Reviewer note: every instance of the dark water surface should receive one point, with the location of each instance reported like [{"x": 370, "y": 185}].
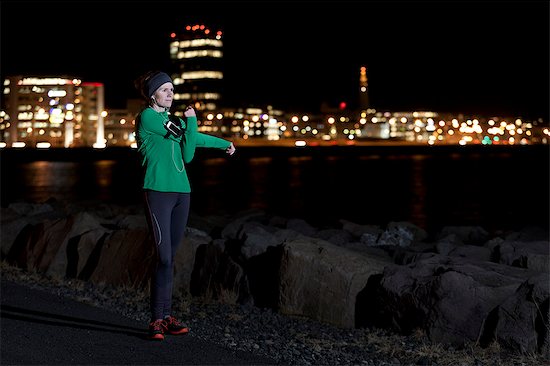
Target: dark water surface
[{"x": 496, "y": 187}]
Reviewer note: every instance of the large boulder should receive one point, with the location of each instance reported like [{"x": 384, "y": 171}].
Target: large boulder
[
  {"x": 185, "y": 258},
  {"x": 124, "y": 258},
  {"x": 216, "y": 276},
  {"x": 522, "y": 319},
  {"x": 534, "y": 255},
  {"x": 37, "y": 245},
  {"x": 18, "y": 221},
  {"x": 321, "y": 281},
  {"x": 450, "y": 298}
]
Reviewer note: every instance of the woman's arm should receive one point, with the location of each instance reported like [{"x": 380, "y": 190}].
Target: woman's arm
[
  {"x": 192, "y": 139},
  {"x": 153, "y": 122},
  {"x": 189, "y": 138},
  {"x": 204, "y": 140}
]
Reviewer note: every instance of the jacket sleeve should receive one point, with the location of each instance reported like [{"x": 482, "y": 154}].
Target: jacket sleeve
[
  {"x": 154, "y": 124},
  {"x": 204, "y": 140},
  {"x": 189, "y": 139}
]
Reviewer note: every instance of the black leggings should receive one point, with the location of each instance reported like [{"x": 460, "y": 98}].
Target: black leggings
[{"x": 167, "y": 214}]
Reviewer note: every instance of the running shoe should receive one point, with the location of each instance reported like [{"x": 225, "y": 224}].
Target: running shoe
[
  {"x": 173, "y": 326},
  {"x": 156, "y": 329}
]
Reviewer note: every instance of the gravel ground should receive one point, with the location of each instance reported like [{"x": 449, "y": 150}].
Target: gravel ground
[{"x": 288, "y": 340}]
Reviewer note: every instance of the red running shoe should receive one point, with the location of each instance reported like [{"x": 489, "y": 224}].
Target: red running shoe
[
  {"x": 156, "y": 330},
  {"x": 173, "y": 326}
]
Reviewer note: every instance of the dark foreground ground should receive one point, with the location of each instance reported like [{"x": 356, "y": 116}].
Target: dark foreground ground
[
  {"x": 48, "y": 321},
  {"x": 38, "y": 327}
]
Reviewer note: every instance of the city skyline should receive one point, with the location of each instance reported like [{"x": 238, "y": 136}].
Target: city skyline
[{"x": 470, "y": 57}]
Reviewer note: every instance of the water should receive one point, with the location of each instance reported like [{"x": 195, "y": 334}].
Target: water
[{"x": 498, "y": 188}]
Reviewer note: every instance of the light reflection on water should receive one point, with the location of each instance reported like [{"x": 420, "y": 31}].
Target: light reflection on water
[
  {"x": 427, "y": 190},
  {"x": 104, "y": 172},
  {"x": 64, "y": 180},
  {"x": 43, "y": 178},
  {"x": 41, "y": 174}
]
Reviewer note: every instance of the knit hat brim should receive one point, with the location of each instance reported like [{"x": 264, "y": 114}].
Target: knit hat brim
[{"x": 155, "y": 82}]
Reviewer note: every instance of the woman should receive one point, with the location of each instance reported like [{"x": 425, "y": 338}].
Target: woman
[{"x": 166, "y": 143}]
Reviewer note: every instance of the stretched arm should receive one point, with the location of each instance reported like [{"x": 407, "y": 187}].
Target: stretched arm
[
  {"x": 192, "y": 139},
  {"x": 189, "y": 138},
  {"x": 154, "y": 123},
  {"x": 204, "y": 140}
]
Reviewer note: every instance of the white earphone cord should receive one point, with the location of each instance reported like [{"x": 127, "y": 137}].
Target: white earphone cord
[{"x": 174, "y": 161}]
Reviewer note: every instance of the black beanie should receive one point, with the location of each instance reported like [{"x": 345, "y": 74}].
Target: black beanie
[{"x": 155, "y": 82}]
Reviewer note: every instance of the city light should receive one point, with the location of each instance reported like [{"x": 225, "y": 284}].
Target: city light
[{"x": 70, "y": 113}]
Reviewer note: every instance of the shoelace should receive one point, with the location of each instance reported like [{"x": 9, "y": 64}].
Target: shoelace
[
  {"x": 172, "y": 320},
  {"x": 157, "y": 324}
]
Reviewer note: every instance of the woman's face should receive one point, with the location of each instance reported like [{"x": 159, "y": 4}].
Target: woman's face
[{"x": 164, "y": 95}]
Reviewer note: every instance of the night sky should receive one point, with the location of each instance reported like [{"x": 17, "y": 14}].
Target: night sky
[{"x": 480, "y": 57}]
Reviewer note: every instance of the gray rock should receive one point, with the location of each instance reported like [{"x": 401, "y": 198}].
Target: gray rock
[
  {"x": 401, "y": 234},
  {"x": 449, "y": 297},
  {"x": 533, "y": 255},
  {"x": 301, "y": 226},
  {"x": 474, "y": 235},
  {"x": 321, "y": 281},
  {"x": 522, "y": 319}
]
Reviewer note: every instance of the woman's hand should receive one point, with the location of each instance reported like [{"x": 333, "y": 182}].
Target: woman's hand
[
  {"x": 189, "y": 112},
  {"x": 231, "y": 149}
]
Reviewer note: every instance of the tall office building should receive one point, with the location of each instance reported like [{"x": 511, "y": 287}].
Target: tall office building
[{"x": 197, "y": 60}]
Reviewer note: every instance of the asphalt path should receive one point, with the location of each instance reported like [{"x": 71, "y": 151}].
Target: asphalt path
[{"x": 40, "y": 328}]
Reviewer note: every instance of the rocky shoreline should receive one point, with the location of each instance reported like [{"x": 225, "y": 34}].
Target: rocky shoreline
[
  {"x": 285, "y": 339},
  {"x": 347, "y": 295}
]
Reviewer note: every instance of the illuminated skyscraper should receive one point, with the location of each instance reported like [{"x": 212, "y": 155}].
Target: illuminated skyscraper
[
  {"x": 197, "y": 59},
  {"x": 93, "y": 133}
]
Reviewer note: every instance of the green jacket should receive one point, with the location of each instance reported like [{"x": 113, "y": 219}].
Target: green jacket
[{"x": 163, "y": 158}]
